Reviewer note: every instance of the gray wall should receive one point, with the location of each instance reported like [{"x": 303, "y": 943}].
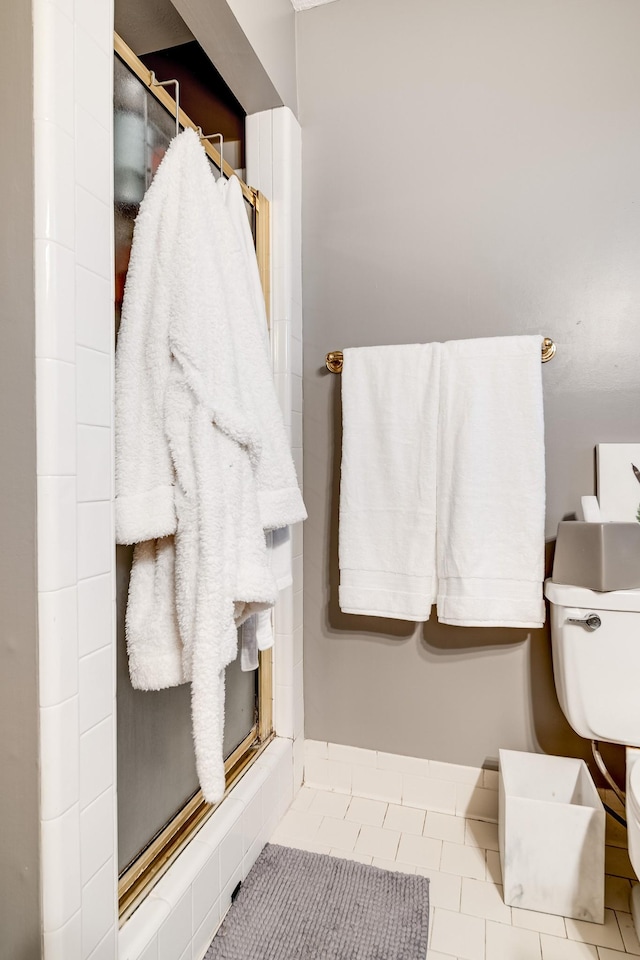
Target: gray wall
[
  {"x": 470, "y": 169},
  {"x": 19, "y": 814}
]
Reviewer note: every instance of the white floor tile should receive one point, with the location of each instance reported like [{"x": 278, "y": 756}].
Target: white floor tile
[
  {"x": 444, "y": 826},
  {"x": 463, "y": 861},
  {"x": 423, "y": 851},
  {"x": 351, "y": 855},
  {"x": 377, "y": 842},
  {"x": 298, "y": 824},
  {"x": 605, "y": 934},
  {"x": 340, "y": 834},
  {"x": 459, "y": 936},
  {"x": 304, "y": 798},
  {"x": 611, "y": 799},
  {"x": 617, "y": 891},
  {"x": 371, "y": 812},
  {"x": 510, "y": 943},
  {"x": 542, "y": 922},
  {"x": 444, "y": 888},
  {"x": 555, "y": 948},
  {"x": 404, "y": 819},
  {"x": 329, "y": 804},
  {"x": 482, "y": 899},
  {"x": 494, "y": 869},
  {"x": 479, "y": 833},
  {"x": 628, "y": 931},
  {"x": 615, "y": 833},
  {"x": 617, "y": 863},
  {"x": 395, "y": 866},
  {"x": 299, "y": 843}
]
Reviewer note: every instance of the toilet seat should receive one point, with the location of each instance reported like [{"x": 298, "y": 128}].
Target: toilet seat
[{"x": 633, "y": 834}]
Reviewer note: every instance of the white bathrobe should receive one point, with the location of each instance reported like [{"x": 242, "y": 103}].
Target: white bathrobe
[{"x": 202, "y": 460}]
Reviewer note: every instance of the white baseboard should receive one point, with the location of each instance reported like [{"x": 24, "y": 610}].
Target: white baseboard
[{"x": 428, "y": 784}]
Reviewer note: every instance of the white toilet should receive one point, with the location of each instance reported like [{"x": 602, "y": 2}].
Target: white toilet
[{"x": 596, "y": 664}]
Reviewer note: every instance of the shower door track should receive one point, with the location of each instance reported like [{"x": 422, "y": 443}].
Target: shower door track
[
  {"x": 138, "y": 878},
  {"x": 137, "y": 881}
]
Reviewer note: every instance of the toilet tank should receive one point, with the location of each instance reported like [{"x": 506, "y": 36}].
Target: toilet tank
[{"x": 597, "y": 672}]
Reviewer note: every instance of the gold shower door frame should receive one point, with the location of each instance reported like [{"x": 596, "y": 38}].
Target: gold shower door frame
[{"x": 136, "y": 882}]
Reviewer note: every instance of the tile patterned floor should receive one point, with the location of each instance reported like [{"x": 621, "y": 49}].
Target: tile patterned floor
[{"x": 469, "y": 920}]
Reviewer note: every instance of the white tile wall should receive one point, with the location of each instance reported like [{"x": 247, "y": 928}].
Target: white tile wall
[
  {"x": 74, "y": 344},
  {"x": 74, "y": 347}
]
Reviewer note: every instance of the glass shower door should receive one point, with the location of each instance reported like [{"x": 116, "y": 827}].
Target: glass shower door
[{"x": 156, "y": 763}]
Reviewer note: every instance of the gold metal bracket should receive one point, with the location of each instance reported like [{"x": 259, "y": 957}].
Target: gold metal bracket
[
  {"x": 335, "y": 360},
  {"x": 548, "y": 349}
]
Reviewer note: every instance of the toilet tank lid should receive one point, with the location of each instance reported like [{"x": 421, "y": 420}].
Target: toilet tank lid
[{"x": 565, "y": 595}]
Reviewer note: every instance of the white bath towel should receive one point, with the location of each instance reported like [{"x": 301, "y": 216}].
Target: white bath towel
[
  {"x": 387, "y": 536},
  {"x": 491, "y": 483},
  {"x": 189, "y": 447}
]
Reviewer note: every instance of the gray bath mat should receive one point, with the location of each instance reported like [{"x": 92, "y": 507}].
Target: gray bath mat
[{"x": 296, "y": 905}]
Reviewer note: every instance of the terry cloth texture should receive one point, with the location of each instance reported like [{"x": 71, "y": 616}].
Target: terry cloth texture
[
  {"x": 297, "y": 905},
  {"x": 491, "y": 483},
  {"x": 387, "y": 526},
  {"x": 203, "y": 466},
  {"x": 442, "y": 491}
]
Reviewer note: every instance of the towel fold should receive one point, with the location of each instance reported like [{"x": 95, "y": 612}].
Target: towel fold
[
  {"x": 491, "y": 483},
  {"x": 388, "y": 481}
]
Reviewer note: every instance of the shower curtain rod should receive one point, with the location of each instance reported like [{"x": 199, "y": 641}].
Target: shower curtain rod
[
  {"x": 149, "y": 79},
  {"x": 334, "y": 361}
]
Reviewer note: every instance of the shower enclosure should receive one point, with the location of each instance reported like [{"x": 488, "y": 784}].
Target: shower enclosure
[{"x": 159, "y": 801}]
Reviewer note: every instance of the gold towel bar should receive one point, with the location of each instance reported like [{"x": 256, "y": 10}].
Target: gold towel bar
[{"x": 335, "y": 359}]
